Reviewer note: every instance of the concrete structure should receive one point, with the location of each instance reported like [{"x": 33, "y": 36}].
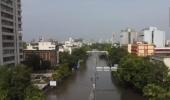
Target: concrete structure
[
  {"x": 162, "y": 51},
  {"x": 128, "y": 36},
  {"x": 11, "y": 46},
  {"x": 164, "y": 59},
  {"x": 41, "y": 46},
  {"x": 46, "y": 50},
  {"x": 45, "y": 55},
  {"x": 71, "y": 44},
  {"x": 154, "y": 36},
  {"x": 167, "y": 43},
  {"x": 141, "y": 49}
]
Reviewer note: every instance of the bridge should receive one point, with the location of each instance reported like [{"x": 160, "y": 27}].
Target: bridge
[
  {"x": 106, "y": 69},
  {"x": 97, "y": 51}
]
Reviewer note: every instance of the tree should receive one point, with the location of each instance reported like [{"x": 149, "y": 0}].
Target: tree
[
  {"x": 33, "y": 93},
  {"x": 33, "y": 61},
  {"x": 62, "y": 72},
  {"x": 116, "y": 54},
  {"x": 139, "y": 72},
  {"x": 14, "y": 81},
  {"x": 155, "y": 92}
]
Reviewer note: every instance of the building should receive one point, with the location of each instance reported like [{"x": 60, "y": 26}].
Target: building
[
  {"x": 167, "y": 43},
  {"x": 141, "y": 49},
  {"x": 45, "y": 55},
  {"x": 128, "y": 36},
  {"x": 162, "y": 51},
  {"x": 72, "y": 44},
  {"x": 41, "y": 46},
  {"x": 154, "y": 36},
  {"x": 46, "y": 50},
  {"x": 11, "y": 49}
]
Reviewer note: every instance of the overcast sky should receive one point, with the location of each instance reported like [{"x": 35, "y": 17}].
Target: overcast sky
[{"x": 91, "y": 19}]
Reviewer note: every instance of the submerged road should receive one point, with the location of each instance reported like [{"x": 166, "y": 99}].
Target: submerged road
[{"x": 80, "y": 85}]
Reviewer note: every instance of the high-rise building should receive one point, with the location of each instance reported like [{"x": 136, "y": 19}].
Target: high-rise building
[
  {"x": 10, "y": 32},
  {"x": 154, "y": 36},
  {"x": 128, "y": 36}
]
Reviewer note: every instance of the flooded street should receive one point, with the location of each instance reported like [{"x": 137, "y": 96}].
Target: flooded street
[{"x": 79, "y": 85}]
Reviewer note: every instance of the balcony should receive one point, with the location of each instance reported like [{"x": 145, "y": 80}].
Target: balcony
[
  {"x": 8, "y": 26},
  {"x": 7, "y": 3},
  {"x": 9, "y": 62},
  {"x": 9, "y": 55},
  {"x": 7, "y": 12},
  {"x": 6, "y": 33},
  {"x": 6, "y": 18}
]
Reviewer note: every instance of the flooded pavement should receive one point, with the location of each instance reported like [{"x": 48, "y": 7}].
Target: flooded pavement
[{"x": 80, "y": 85}]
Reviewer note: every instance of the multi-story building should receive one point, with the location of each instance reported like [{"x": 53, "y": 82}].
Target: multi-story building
[
  {"x": 141, "y": 49},
  {"x": 154, "y": 36},
  {"x": 41, "y": 46},
  {"x": 167, "y": 43},
  {"x": 71, "y": 44},
  {"x": 128, "y": 36},
  {"x": 45, "y": 55},
  {"x": 10, "y": 32},
  {"x": 46, "y": 50}
]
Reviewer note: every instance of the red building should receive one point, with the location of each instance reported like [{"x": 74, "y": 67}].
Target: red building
[{"x": 46, "y": 55}]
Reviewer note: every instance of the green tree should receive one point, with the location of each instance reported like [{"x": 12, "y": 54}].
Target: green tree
[
  {"x": 155, "y": 92},
  {"x": 116, "y": 54},
  {"x": 13, "y": 82},
  {"x": 33, "y": 93},
  {"x": 62, "y": 72},
  {"x": 139, "y": 72}
]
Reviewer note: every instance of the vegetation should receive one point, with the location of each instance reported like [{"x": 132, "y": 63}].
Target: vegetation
[
  {"x": 116, "y": 54},
  {"x": 155, "y": 92},
  {"x": 33, "y": 93},
  {"x": 15, "y": 84},
  {"x": 100, "y": 46},
  {"x": 63, "y": 72},
  {"x": 69, "y": 62},
  {"x": 72, "y": 59},
  {"x": 150, "y": 78}
]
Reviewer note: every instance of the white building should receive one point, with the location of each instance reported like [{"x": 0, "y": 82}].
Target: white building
[
  {"x": 41, "y": 46},
  {"x": 128, "y": 36},
  {"x": 11, "y": 45},
  {"x": 71, "y": 44},
  {"x": 168, "y": 43},
  {"x": 154, "y": 36}
]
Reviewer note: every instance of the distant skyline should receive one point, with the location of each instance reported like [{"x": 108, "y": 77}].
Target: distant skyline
[{"x": 91, "y": 19}]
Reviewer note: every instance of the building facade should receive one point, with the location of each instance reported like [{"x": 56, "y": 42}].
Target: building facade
[
  {"x": 41, "y": 46},
  {"x": 128, "y": 36},
  {"x": 142, "y": 50},
  {"x": 46, "y": 50},
  {"x": 45, "y": 55},
  {"x": 162, "y": 51},
  {"x": 10, "y": 32},
  {"x": 154, "y": 36},
  {"x": 72, "y": 44}
]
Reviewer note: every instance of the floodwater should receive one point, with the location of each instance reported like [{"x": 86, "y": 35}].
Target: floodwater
[{"x": 80, "y": 85}]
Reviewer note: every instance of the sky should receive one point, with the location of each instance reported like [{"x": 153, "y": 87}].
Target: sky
[{"x": 91, "y": 19}]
